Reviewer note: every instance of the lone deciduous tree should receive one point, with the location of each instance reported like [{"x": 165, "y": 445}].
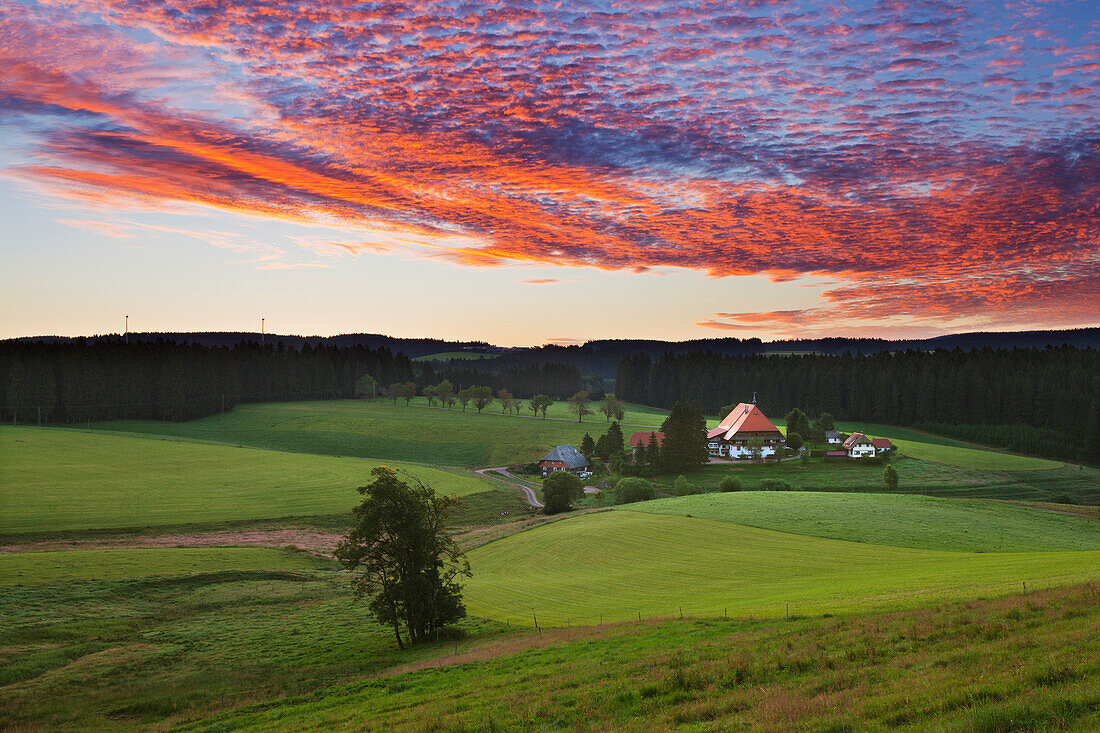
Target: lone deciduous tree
[
  {"x": 404, "y": 560},
  {"x": 578, "y": 404},
  {"x": 366, "y": 387}
]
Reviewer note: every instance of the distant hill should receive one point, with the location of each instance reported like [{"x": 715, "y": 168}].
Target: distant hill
[{"x": 602, "y": 356}]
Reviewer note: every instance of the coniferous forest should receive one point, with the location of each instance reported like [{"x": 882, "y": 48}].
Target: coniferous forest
[
  {"x": 1044, "y": 402},
  {"x": 109, "y": 379}
]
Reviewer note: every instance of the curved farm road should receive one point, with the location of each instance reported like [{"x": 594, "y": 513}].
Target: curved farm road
[{"x": 528, "y": 493}]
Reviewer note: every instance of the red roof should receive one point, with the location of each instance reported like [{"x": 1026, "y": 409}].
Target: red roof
[
  {"x": 882, "y": 443},
  {"x": 638, "y": 439},
  {"x": 856, "y": 439},
  {"x": 744, "y": 418}
]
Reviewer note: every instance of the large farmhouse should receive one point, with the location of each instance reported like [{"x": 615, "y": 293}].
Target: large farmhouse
[
  {"x": 744, "y": 424},
  {"x": 564, "y": 458}
]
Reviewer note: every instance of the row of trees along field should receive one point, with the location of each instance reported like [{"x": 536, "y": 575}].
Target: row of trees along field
[
  {"x": 556, "y": 380},
  {"x": 110, "y": 379},
  {"x": 1040, "y": 401}
]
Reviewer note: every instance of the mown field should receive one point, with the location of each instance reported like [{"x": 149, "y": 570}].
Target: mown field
[
  {"x": 614, "y": 565},
  {"x": 919, "y": 522},
  {"x": 55, "y": 480},
  {"x": 1024, "y": 663}
]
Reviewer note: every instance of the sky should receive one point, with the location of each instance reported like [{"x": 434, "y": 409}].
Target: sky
[{"x": 530, "y": 172}]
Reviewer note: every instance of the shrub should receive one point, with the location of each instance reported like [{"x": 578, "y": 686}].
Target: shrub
[
  {"x": 681, "y": 487},
  {"x": 774, "y": 484},
  {"x": 630, "y": 490},
  {"x": 817, "y": 453},
  {"x": 730, "y": 483},
  {"x": 1063, "y": 499},
  {"x": 560, "y": 490},
  {"x": 890, "y": 478}
]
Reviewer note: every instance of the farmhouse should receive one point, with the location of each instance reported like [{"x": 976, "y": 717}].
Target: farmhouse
[
  {"x": 882, "y": 445},
  {"x": 859, "y": 445},
  {"x": 744, "y": 424},
  {"x": 563, "y": 458}
]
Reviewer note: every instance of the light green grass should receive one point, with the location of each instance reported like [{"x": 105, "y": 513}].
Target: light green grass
[
  {"x": 29, "y": 568},
  {"x": 898, "y": 520},
  {"x": 617, "y": 564},
  {"x": 55, "y": 479}
]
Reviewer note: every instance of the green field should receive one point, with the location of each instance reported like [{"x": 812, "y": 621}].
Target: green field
[
  {"x": 919, "y": 522},
  {"x": 419, "y": 434},
  {"x": 54, "y": 480},
  {"x": 1024, "y": 663},
  {"x": 375, "y": 430},
  {"x": 29, "y": 568},
  {"x": 614, "y": 565},
  {"x": 142, "y": 653},
  {"x": 1081, "y": 484}
]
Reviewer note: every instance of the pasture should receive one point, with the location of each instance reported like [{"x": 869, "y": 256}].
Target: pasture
[
  {"x": 152, "y": 650},
  {"x": 897, "y": 520},
  {"x": 616, "y": 565},
  {"x": 1079, "y": 483},
  {"x": 55, "y": 480},
  {"x": 419, "y": 434},
  {"x": 1026, "y": 662}
]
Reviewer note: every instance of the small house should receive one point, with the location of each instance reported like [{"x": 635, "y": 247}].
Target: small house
[
  {"x": 859, "y": 445},
  {"x": 883, "y": 446},
  {"x": 832, "y": 437},
  {"x": 564, "y": 458}
]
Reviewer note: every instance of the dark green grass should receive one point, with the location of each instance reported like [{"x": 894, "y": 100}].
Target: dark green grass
[
  {"x": 32, "y": 568},
  {"x": 140, "y": 653},
  {"x": 920, "y": 522},
  {"x": 375, "y": 430},
  {"x": 1023, "y": 663}
]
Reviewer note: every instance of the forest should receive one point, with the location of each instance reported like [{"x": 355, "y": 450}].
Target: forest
[
  {"x": 1044, "y": 402},
  {"x": 111, "y": 379}
]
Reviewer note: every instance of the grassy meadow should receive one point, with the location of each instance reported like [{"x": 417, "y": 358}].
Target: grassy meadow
[
  {"x": 259, "y": 638},
  {"x": 437, "y": 436},
  {"x": 72, "y": 480},
  {"x": 148, "y": 651},
  {"x": 1024, "y": 663},
  {"x": 919, "y": 522},
  {"x": 614, "y": 565}
]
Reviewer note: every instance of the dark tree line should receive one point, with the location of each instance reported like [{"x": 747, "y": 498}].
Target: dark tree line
[
  {"x": 110, "y": 379},
  {"x": 1038, "y": 401}
]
